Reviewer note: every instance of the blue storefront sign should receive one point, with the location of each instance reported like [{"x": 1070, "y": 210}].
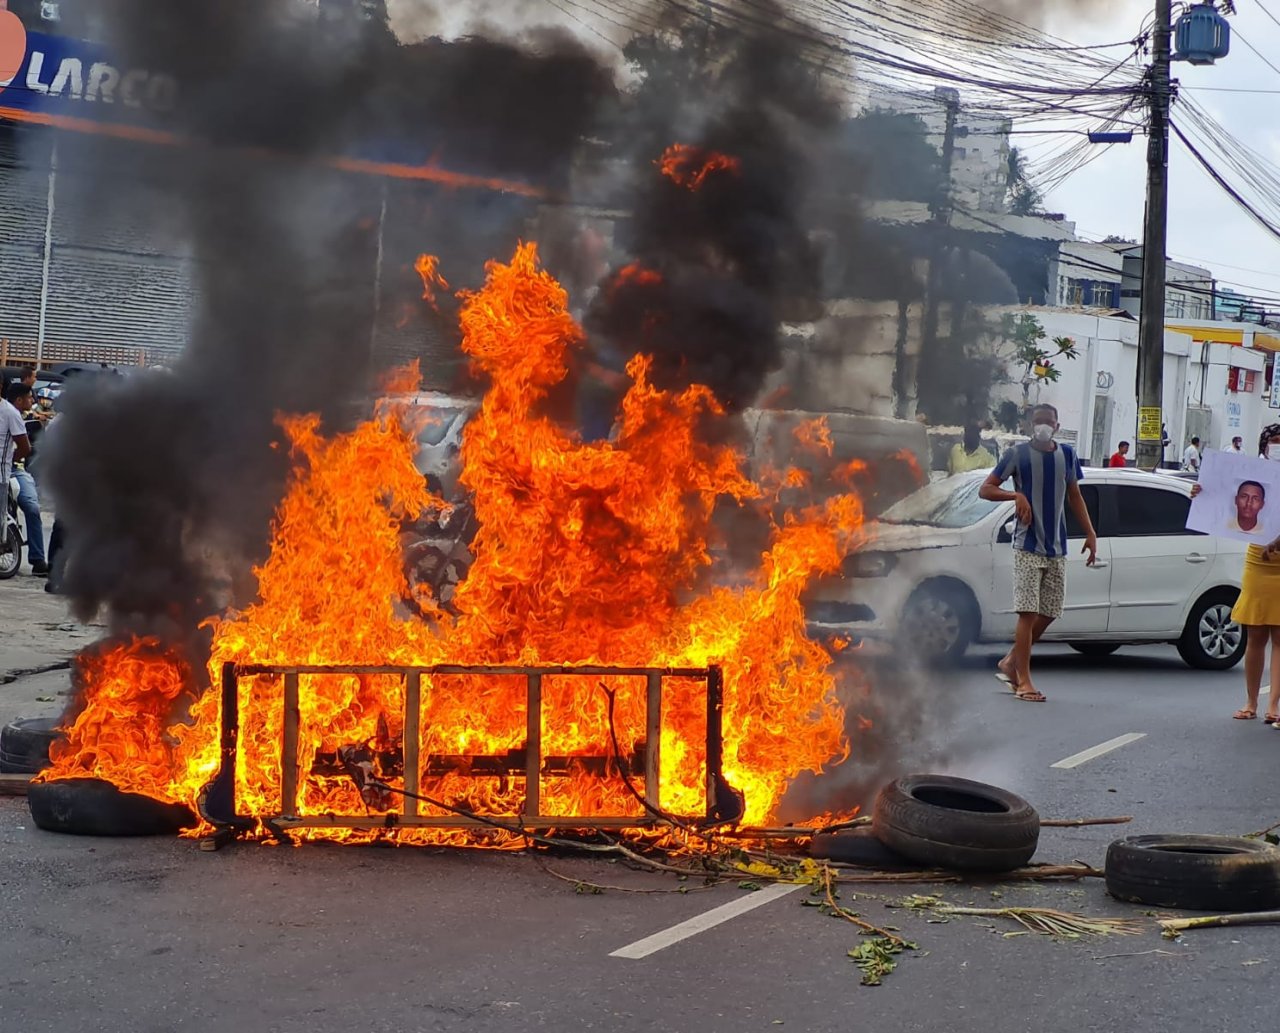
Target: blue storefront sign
[
  {"x": 78, "y": 85},
  {"x": 44, "y": 78}
]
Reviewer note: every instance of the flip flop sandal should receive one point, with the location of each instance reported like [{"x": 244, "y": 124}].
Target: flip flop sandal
[
  {"x": 1244, "y": 714},
  {"x": 1270, "y": 719},
  {"x": 1031, "y": 697}
]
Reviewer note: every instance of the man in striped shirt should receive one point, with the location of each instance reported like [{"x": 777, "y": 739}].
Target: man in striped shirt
[{"x": 1046, "y": 478}]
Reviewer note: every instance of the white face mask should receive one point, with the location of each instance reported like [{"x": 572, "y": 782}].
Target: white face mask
[
  {"x": 1042, "y": 433},
  {"x": 1273, "y": 453}
]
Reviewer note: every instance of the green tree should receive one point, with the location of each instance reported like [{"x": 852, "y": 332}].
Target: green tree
[{"x": 1021, "y": 193}]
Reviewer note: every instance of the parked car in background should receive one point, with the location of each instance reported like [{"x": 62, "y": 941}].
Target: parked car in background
[{"x": 937, "y": 575}]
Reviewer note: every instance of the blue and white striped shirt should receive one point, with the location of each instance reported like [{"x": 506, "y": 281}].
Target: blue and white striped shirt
[{"x": 1043, "y": 478}]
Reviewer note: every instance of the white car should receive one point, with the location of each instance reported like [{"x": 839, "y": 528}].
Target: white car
[{"x": 937, "y": 574}]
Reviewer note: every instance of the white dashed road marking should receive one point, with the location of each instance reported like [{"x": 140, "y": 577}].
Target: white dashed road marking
[
  {"x": 701, "y": 923},
  {"x": 1094, "y": 752}
]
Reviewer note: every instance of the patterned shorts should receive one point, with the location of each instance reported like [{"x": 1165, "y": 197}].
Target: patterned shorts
[{"x": 1039, "y": 583}]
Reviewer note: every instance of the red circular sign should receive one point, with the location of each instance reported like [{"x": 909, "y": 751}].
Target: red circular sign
[{"x": 13, "y": 47}]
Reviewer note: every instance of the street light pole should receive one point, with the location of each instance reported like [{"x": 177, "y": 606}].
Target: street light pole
[{"x": 1151, "y": 322}]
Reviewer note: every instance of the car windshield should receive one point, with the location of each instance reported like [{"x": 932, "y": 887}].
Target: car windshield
[{"x": 951, "y": 503}]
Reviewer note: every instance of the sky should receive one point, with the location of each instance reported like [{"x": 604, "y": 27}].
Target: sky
[{"x": 1205, "y": 226}]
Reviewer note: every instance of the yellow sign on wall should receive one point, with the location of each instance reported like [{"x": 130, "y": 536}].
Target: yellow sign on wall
[{"x": 1149, "y": 424}]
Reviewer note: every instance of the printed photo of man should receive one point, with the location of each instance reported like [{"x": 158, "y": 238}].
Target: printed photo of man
[{"x": 1251, "y": 497}]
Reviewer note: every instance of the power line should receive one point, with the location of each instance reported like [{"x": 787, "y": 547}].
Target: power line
[
  {"x": 1223, "y": 89},
  {"x": 1261, "y": 57},
  {"x": 1262, "y": 7},
  {"x": 1217, "y": 177}
]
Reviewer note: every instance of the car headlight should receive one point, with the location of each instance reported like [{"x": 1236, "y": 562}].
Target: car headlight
[{"x": 870, "y": 564}]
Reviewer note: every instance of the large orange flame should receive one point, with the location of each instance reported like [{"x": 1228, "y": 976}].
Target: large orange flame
[{"x": 585, "y": 554}]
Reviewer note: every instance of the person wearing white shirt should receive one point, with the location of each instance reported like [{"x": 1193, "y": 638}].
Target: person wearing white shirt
[
  {"x": 15, "y": 446},
  {"x": 1191, "y": 457},
  {"x": 1237, "y": 445}
]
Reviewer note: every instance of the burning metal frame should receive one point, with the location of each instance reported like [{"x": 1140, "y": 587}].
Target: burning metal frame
[{"x": 218, "y": 805}]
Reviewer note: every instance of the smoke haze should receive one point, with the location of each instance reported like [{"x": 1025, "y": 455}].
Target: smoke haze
[{"x": 166, "y": 482}]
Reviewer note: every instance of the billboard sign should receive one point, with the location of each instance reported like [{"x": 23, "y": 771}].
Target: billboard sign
[{"x": 45, "y": 77}]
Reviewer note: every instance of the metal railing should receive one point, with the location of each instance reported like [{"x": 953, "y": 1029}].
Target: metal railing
[{"x": 219, "y": 804}]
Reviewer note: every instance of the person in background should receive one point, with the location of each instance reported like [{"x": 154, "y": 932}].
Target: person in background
[
  {"x": 1046, "y": 479},
  {"x": 1258, "y": 608},
  {"x": 15, "y": 447},
  {"x": 1121, "y": 458},
  {"x": 14, "y": 443},
  {"x": 1237, "y": 445},
  {"x": 42, "y": 411},
  {"x": 1191, "y": 457},
  {"x": 970, "y": 454}
]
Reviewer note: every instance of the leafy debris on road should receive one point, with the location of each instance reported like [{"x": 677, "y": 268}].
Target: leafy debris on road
[
  {"x": 1267, "y": 835},
  {"x": 1063, "y": 925},
  {"x": 877, "y": 957}
]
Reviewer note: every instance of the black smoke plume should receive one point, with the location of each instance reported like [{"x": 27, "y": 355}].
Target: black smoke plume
[
  {"x": 165, "y": 482},
  {"x": 720, "y": 247}
]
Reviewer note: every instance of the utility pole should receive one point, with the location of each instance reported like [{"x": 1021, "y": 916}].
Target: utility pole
[
  {"x": 1154, "y": 243},
  {"x": 928, "y": 372}
]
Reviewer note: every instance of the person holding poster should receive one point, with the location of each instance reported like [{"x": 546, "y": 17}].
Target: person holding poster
[
  {"x": 1237, "y": 496},
  {"x": 1258, "y": 607}
]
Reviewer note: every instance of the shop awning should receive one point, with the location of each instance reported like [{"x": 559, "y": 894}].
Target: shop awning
[{"x": 1264, "y": 340}]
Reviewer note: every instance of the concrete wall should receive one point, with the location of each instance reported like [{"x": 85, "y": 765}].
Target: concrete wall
[
  {"x": 1242, "y": 412},
  {"x": 845, "y": 362}
]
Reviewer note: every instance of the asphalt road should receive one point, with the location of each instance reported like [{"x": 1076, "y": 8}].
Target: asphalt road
[{"x": 153, "y": 936}]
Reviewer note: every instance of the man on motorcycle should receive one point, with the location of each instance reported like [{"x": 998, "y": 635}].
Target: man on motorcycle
[
  {"x": 42, "y": 411},
  {"x": 15, "y": 447}
]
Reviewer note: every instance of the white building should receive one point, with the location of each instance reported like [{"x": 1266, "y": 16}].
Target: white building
[
  {"x": 980, "y": 159},
  {"x": 1211, "y": 390}
]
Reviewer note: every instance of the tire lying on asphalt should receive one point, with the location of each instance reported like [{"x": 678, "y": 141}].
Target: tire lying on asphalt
[
  {"x": 945, "y": 822},
  {"x": 1199, "y": 873},
  {"x": 91, "y": 807},
  {"x": 859, "y": 847},
  {"x": 24, "y": 745}
]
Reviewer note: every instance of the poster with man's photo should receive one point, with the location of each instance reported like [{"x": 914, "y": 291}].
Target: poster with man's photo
[{"x": 1239, "y": 498}]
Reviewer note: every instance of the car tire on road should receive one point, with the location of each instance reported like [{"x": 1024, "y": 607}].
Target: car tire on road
[
  {"x": 1199, "y": 873},
  {"x": 941, "y": 619},
  {"x": 946, "y": 822},
  {"x": 1096, "y": 649},
  {"x": 10, "y": 554},
  {"x": 1211, "y": 641},
  {"x": 859, "y": 847},
  {"x": 92, "y": 807},
  {"x": 24, "y": 745}
]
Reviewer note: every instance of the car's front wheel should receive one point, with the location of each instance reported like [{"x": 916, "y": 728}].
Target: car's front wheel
[
  {"x": 1212, "y": 641},
  {"x": 939, "y": 622}
]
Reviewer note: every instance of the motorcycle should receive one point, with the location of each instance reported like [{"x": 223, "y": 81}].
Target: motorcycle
[
  {"x": 11, "y": 542},
  {"x": 437, "y": 554}
]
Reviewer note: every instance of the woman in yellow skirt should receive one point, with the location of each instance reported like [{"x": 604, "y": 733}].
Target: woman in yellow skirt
[{"x": 1258, "y": 609}]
